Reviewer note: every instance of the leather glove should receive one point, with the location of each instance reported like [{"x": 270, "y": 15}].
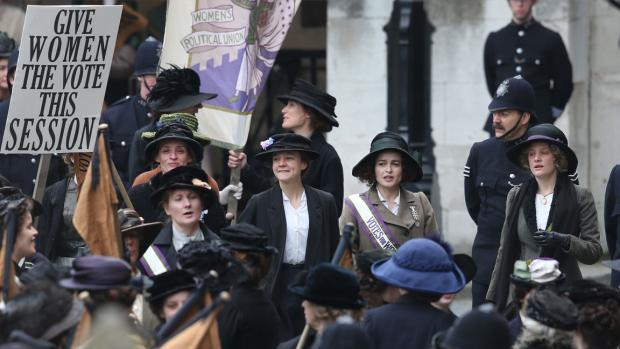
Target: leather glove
[
  {"x": 551, "y": 238},
  {"x": 231, "y": 189}
]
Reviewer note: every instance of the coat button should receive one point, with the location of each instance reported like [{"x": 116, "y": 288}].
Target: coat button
[
  {"x": 150, "y": 115},
  {"x": 518, "y": 69},
  {"x": 482, "y": 184},
  {"x": 123, "y": 143},
  {"x": 521, "y": 33},
  {"x": 499, "y": 61},
  {"x": 34, "y": 181},
  {"x": 33, "y": 160},
  {"x": 519, "y": 50},
  {"x": 537, "y": 62},
  {"x": 512, "y": 176}
]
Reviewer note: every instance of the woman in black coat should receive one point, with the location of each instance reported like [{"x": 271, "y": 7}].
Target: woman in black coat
[
  {"x": 308, "y": 112},
  {"x": 300, "y": 221}
]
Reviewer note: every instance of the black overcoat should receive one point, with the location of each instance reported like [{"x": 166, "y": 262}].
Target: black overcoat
[
  {"x": 51, "y": 221},
  {"x": 266, "y": 211},
  {"x": 248, "y": 320},
  {"x": 612, "y": 220}
]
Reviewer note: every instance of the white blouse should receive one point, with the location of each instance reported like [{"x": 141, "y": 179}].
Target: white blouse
[{"x": 297, "y": 225}]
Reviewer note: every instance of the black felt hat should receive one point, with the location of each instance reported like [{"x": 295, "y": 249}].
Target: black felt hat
[
  {"x": 246, "y": 237},
  {"x": 177, "y": 89},
  {"x": 98, "y": 273},
  {"x": 552, "y": 310},
  {"x": 481, "y": 328},
  {"x": 466, "y": 264},
  {"x": 313, "y": 97},
  {"x": 286, "y": 142},
  {"x": 170, "y": 282},
  {"x": 147, "y": 57},
  {"x": 12, "y": 197},
  {"x": 590, "y": 291},
  {"x": 130, "y": 222},
  {"x": 7, "y": 45},
  {"x": 183, "y": 177},
  {"x": 329, "y": 285},
  {"x": 550, "y": 134},
  {"x": 390, "y": 141},
  {"x": 173, "y": 131},
  {"x": 515, "y": 93}
]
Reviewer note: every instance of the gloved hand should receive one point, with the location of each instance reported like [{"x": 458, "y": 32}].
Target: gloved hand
[
  {"x": 551, "y": 238},
  {"x": 231, "y": 189}
]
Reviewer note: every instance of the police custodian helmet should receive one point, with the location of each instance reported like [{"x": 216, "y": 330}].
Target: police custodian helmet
[{"x": 514, "y": 93}]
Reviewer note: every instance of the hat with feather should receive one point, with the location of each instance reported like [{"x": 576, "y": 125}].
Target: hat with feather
[{"x": 176, "y": 89}]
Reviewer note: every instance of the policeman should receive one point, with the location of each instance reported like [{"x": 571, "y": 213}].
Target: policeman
[
  {"x": 21, "y": 169},
  {"x": 527, "y": 48},
  {"x": 127, "y": 115},
  {"x": 489, "y": 175},
  {"x": 7, "y": 45}
]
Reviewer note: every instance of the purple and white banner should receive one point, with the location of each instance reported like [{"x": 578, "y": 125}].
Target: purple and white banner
[{"x": 232, "y": 45}]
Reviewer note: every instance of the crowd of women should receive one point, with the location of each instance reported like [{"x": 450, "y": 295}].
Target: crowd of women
[{"x": 275, "y": 263}]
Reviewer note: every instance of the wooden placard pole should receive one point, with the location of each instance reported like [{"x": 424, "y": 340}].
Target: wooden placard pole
[
  {"x": 235, "y": 178},
  {"x": 41, "y": 181}
]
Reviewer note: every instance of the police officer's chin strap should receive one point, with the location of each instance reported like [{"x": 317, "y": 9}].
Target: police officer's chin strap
[{"x": 513, "y": 129}]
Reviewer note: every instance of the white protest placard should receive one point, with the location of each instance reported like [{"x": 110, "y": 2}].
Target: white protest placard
[{"x": 62, "y": 72}]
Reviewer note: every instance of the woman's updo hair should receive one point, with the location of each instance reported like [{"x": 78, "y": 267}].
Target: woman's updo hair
[{"x": 560, "y": 159}]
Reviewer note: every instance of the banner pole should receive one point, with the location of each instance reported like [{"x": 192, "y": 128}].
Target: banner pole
[
  {"x": 235, "y": 178},
  {"x": 41, "y": 181}
]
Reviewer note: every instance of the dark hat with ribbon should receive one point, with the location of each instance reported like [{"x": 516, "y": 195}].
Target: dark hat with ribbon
[
  {"x": 590, "y": 291},
  {"x": 421, "y": 265},
  {"x": 246, "y": 237},
  {"x": 286, "y": 142},
  {"x": 390, "y": 141},
  {"x": 313, "y": 97},
  {"x": 515, "y": 93},
  {"x": 329, "y": 285},
  {"x": 7, "y": 45},
  {"x": 13, "y": 60},
  {"x": 169, "y": 283},
  {"x": 481, "y": 328},
  {"x": 552, "y": 310},
  {"x": 147, "y": 57},
  {"x": 12, "y": 197},
  {"x": 177, "y": 89},
  {"x": 466, "y": 264},
  {"x": 130, "y": 222},
  {"x": 98, "y": 273},
  {"x": 177, "y": 126},
  {"x": 183, "y": 177},
  {"x": 550, "y": 134}
]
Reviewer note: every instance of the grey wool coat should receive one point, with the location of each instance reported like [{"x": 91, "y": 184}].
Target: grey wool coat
[
  {"x": 403, "y": 227},
  {"x": 585, "y": 247}
]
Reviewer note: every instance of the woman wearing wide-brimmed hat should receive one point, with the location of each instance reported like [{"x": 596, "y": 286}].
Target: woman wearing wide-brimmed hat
[
  {"x": 300, "y": 221},
  {"x": 177, "y": 142},
  {"x": 548, "y": 215},
  {"x": 169, "y": 292},
  {"x": 249, "y": 319},
  {"x": 328, "y": 292},
  {"x": 387, "y": 214},
  {"x": 310, "y": 112},
  {"x": 182, "y": 193}
]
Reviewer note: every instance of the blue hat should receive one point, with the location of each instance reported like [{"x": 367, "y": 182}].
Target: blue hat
[
  {"x": 147, "y": 57},
  {"x": 515, "y": 93},
  {"x": 421, "y": 265}
]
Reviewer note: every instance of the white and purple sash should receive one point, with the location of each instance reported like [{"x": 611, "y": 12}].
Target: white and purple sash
[{"x": 371, "y": 223}]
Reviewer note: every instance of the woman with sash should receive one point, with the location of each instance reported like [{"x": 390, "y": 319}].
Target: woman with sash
[
  {"x": 548, "y": 215},
  {"x": 300, "y": 221},
  {"x": 182, "y": 193},
  {"x": 387, "y": 215}
]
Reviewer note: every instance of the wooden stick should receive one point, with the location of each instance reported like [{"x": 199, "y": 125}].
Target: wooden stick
[
  {"x": 235, "y": 178},
  {"x": 41, "y": 181}
]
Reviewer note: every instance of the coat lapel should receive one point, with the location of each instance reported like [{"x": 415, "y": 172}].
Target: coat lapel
[
  {"x": 164, "y": 242},
  {"x": 409, "y": 203},
  {"x": 314, "y": 221},
  {"x": 277, "y": 221},
  {"x": 387, "y": 215}
]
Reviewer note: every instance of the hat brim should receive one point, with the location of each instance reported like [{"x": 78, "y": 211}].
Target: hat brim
[
  {"x": 300, "y": 291},
  {"x": 249, "y": 248},
  {"x": 496, "y": 105},
  {"x": 407, "y": 177},
  {"x": 438, "y": 282},
  {"x": 148, "y": 231},
  {"x": 183, "y": 102},
  {"x": 206, "y": 195},
  {"x": 268, "y": 154},
  {"x": 172, "y": 290},
  {"x": 331, "y": 118},
  {"x": 197, "y": 148},
  {"x": 74, "y": 285},
  {"x": 514, "y": 152}
]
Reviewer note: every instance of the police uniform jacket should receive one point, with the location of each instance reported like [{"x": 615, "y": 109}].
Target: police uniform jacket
[
  {"x": 404, "y": 226},
  {"x": 536, "y": 53},
  {"x": 584, "y": 247},
  {"x": 124, "y": 117},
  {"x": 266, "y": 211},
  {"x": 324, "y": 173},
  {"x": 489, "y": 176},
  {"x": 137, "y": 158},
  {"x": 21, "y": 169},
  {"x": 163, "y": 241},
  {"x": 407, "y": 323},
  {"x": 612, "y": 220},
  {"x": 248, "y": 320}
]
